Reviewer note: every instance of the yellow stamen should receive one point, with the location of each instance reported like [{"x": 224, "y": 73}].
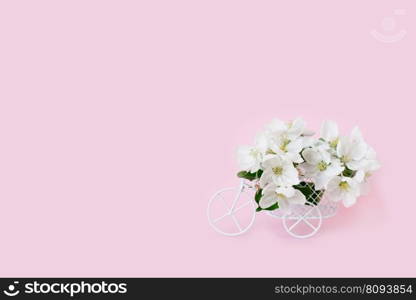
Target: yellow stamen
[
  {"x": 334, "y": 143},
  {"x": 283, "y": 145},
  {"x": 345, "y": 159},
  {"x": 277, "y": 171},
  {"x": 322, "y": 166},
  {"x": 344, "y": 185},
  {"x": 270, "y": 151}
]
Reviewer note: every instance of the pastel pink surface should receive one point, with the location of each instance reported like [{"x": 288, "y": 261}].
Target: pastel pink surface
[{"x": 119, "y": 120}]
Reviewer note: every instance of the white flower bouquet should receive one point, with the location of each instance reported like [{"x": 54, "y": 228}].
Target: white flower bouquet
[{"x": 289, "y": 166}]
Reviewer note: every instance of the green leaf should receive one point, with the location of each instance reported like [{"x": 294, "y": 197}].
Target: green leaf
[
  {"x": 348, "y": 172},
  {"x": 273, "y": 207},
  {"x": 250, "y": 176},
  {"x": 259, "y": 173},
  {"x": 246, "y": 175},
  {"x": 312, "y": 195},
  {"x": 258, "y": 195}
]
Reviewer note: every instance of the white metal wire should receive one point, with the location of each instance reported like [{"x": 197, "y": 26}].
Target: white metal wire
[
  {"x": 311, "y": 214},
  {"x": 327, "y": 209},
  {"x": 302, "y": 214},
  {"x": 230, "y": 211}
]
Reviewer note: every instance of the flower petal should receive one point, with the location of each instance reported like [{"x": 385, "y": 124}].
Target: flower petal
[
  {"x": 311, "y": 156},
  {"x": 296, "y": 128},
  {"x": 356, "y": 135},
  {"x": 297, "y": 198},
  {"x": 356, "y": 164},
  {"x": 335, "y": 168},
  {"x": 358, "y": 151},
  {"x": 283, "y": 204},
  {"x": 295, "y": 146},
  {"x": 244, "y": 158},
  {"x": 276, "y": 126},
  {"x": 308, "y": 169},
  {"x": 308, "y": 132},
  {"x": 333, "y": 184},
  {"x": 267, "y": 200},
  {"x": 290, "y": 176},
  {"x": 343, "y": 146},
  {"x": 295, "y": 157},
  {"x": 262, "y": 141},
  {"x": 359, "y": 176},
  {"x": 329, "y": 131},
  {"x": 321, "y": 181},
  {"x": 288, "y": 191},
  {"x": 266, "y": 178}
]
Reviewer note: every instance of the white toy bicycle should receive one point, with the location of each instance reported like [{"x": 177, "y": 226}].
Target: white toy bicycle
[
  {"x": 294, "y": 177},
  {"x": 235, "y": 199}
]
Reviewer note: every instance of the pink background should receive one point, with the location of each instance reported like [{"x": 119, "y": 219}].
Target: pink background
[{"x": 119, "y": 120}]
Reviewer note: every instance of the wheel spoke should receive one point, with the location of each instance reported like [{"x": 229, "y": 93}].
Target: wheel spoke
[
  {"x": 235, "y": 210},
  {"x": 308, "y": 212},
  {"x": 236, "y": 198},
  {"x": 242, "y": 206},
  {"x": 236, "y": 223},
  {"x": 228, "y": 210},
  {"x": 309, "y": 224},
  {"x": 296, "y": 223},
  {"x": 225, "y": 203},
  {"x": 220, "y": 218},
  {"x": 303, "y": 218}
]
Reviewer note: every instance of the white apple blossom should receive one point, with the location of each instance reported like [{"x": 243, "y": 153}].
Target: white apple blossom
[
  {"x": 343, "y": 189},
  {"x": 369, "y": 165},
  {"x": 320, "y": 166},
  {"x": 286, "y": 155},
  {"x": 296, "y": 128},
  {"x": 279, "y": 171},
  {"x": 289, "y": 149},
  {"x": 356, "y": 135},
  {"x": 351, "y": 152},
  {"x": 329, "y": 133},
  {"x": 250, "y": 158},
  {"x": 369, "y": 162},
  {"x": 287, "y": 139},
  {"x": 291, "y": 130},
  {"x": 262, "y": 141},
  {"x": 283, "y": 196}
]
